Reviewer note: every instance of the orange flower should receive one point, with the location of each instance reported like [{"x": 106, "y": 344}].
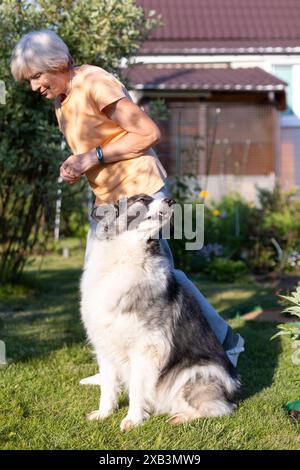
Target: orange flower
[{"x": 203, "y": 194}]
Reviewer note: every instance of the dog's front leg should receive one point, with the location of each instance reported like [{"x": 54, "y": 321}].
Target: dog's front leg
[
  {"x": 141, "y": 391},
  {"x": 109, "y": 387}
]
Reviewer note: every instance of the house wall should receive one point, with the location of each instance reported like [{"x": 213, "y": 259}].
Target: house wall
[
  {"x": 230, "y": 147},
  {"x": 287, "y": 163},
  {"x": 221, "y": 185},
  {"x": 244, "y": 141}
]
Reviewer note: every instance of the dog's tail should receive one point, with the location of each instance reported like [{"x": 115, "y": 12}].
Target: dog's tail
[{"x": 200, "y": 391}]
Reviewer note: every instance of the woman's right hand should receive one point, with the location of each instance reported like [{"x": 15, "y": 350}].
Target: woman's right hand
[{"x": 67, "y": 177}]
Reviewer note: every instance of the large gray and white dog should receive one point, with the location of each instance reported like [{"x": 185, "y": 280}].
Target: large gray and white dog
[{"x": 147, "y": 330}]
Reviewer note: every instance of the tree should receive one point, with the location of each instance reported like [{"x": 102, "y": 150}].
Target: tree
[{"x": 98, "y": 32}]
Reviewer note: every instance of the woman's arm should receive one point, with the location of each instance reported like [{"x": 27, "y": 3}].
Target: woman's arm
[{"x": 142, "y": 133}]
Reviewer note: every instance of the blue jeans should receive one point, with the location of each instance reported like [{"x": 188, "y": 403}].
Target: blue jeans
[{"x": 233, "y": 343}]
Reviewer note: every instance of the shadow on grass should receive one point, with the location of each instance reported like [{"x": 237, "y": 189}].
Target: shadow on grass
[
  {"x": 45, "y": 321},
  {"x": 263, "y": 297},
  {"x": 257, "y": 364},
  {"x": 50, "y": 319},
  {"x": 259, "y": 361}
]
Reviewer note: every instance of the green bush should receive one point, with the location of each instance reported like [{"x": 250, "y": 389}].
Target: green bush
[
  {"x": 179, "y": 189},
  {"x": 292, "y": 330},
  {"x": 261, "y": 236},
  {"x": 264, "y": 237},
  {"x": 30, "y": 143},
  {"x": 261, "y": 259},
  {"x": 226, "y": 270},
  {"x": 79, "y": 225},
  {"x": 228, "y": 223}
]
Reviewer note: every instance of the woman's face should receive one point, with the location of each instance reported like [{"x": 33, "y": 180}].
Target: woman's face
[{"x": 49, "y": 84}]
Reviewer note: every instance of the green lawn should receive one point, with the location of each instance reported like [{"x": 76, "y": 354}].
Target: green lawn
[{"x": 44, "y": 407}]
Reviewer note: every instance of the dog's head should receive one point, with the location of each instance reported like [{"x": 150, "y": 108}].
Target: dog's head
[{"x": 140, "y": 213}]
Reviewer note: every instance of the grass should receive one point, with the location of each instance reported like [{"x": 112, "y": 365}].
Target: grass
[{"x": 44, "y": 407}]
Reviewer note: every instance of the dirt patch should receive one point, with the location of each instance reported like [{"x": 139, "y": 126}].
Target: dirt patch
[
  {"x": 280, "y": 282},
  {"x": 274, "y": 315}
]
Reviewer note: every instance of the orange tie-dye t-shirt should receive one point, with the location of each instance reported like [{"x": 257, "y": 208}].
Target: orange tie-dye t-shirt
[{"x": 82, "y": 121}]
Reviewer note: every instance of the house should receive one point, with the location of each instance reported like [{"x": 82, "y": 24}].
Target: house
[{"x": 228, "y": 71}]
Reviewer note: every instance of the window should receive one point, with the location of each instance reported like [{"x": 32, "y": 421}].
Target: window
[{"x": 285, "y": 73}]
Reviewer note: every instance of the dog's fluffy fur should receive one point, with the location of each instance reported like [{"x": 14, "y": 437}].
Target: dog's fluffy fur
[{"x": 148, "y": 331}]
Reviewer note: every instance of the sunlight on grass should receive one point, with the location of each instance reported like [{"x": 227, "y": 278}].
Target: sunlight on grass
[{"x": 44, "y": 407}]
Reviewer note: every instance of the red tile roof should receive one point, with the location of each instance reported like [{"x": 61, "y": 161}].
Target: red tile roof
[
  {"x": 224, "y": 25},
  {"x": 196, "y": 78}
]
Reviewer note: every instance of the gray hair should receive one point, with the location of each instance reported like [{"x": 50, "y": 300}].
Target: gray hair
[{"x": 39, "y": 51}]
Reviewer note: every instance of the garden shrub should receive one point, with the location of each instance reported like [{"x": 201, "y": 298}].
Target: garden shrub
[
  {"x": 265, "y": 237},
  {"x": 227, "y": 270}
]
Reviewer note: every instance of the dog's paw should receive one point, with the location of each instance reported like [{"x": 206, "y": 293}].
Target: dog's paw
[
  {"x": 129, "y": 423},
  {"x": 178, "y": 418},
  {"x": 97, "y": 415},
  {"x": 126, "y": 425}
]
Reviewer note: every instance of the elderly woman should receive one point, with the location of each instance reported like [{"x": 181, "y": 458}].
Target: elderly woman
[{"x": 110, "y": 136}]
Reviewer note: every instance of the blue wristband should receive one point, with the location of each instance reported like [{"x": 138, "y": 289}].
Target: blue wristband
[{"x": 100, "y": 154}]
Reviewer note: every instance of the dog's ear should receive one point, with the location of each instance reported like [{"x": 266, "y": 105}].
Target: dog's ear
[
  {"x": 143, "y": 198},
  {"x": 124, "y": 204},
  {"x": 117, "y": 209},
  {"x": 104, "y": 213},
  {"x": 95, "y": 214}
]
